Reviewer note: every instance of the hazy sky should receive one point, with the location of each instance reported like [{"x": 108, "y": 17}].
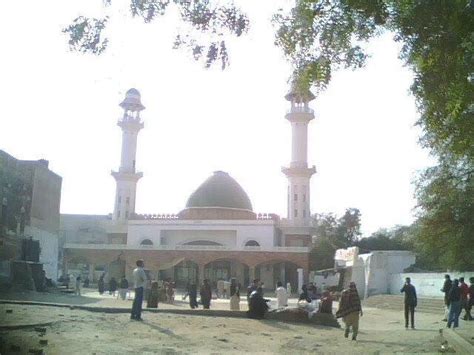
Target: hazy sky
[{"x": 63, "y": 107}]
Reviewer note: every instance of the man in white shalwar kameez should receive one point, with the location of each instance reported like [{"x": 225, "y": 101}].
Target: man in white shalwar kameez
[{"x": 282, "y": 295}]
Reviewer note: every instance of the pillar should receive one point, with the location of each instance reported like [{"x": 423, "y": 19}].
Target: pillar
[
  {"x": 91, "y": 272},
  {"x": 200, "y": 273},
  {"x": 282, "y": 274},
  {"x": 300, "y": 279},
  {"x": 251, "y": 273}
]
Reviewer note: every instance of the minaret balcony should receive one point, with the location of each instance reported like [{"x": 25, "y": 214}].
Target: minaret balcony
[
  {"x": 300, "y": 114},
  {"x": 299, "y": 171},
  {"x": 130, "y": 123}
]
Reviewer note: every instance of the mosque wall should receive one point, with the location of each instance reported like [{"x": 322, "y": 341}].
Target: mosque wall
[
  {"x": 224, "y": 232},
  {"x": 179, "y": 237}
]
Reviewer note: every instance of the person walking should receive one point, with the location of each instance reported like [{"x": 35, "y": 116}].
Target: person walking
[
  {"x": 234, "y": 295},
  {"x": 101, "y": 284},
  {"x": 410, "y": 302},
  {"x": 281, "y": 295},
  {"x": 454, "y": 299},
  {"x": 464, "y": 298},
  {"x": 193, "y": 296},
  {"x": 446, "y": 288},
  {"x": 112, "y": 286},
  {"x": 139, "y": 280},
  {"x": 349, "y": 310},
  {"x": 206, "y": 294}
]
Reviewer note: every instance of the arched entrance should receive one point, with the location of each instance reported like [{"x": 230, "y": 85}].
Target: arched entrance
[
  {"x": 225, "y": 269},
  {"x": 271, "y": 272},
  {"x": 186, "y": 272}
]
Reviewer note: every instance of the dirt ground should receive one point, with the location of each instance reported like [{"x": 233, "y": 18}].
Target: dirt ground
[{"x": 72, "y": 331}]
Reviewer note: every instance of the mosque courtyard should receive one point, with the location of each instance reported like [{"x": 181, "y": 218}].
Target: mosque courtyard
[{"x": 66, "y": 330}]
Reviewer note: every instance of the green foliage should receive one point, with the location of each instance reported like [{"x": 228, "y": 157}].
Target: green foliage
[
  {"x": 208, "y": 24},
  {"x": 333, "y": 233},
  {"x": 320, "y": 36},
  {"x": 397, "y": 238},
  {"x": 446, "y": 223}
]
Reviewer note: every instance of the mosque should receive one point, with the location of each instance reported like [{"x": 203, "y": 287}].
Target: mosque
[{"x": 216, "y": 236}]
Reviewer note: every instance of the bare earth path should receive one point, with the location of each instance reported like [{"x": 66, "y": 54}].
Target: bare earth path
[{"x": 73, "y": 331}]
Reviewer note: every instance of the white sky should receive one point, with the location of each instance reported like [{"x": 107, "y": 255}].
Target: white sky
[{"x": 63, "y": 107}]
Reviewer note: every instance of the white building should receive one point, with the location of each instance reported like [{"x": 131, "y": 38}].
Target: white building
[{"x": 216, "y": 236}]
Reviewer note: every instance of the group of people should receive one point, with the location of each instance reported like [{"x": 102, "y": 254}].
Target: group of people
[{"x": 458, "y": 296}]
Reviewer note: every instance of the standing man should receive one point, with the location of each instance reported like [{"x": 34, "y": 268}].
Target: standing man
[
  {"x": 206, "y": 294},
  {"x": 454, "y": 298},
  {"x": 446, "y": 288},
  {"x": 282, "y": 295},
  {"x": 471, "y": 298},
  {"x": 139, "y": 280},
  {"x": 410, "y": 302},
  {"x": 464, "y": 297}
]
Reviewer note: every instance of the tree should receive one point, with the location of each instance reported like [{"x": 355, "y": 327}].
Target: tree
[
  {"x": 396, "y": 238},
  {"x": 321, "y": 36},
  {"x": 446, "y": 209},
  {"x": 208, "y": 25},
  {"x": 333, "y": 233}
]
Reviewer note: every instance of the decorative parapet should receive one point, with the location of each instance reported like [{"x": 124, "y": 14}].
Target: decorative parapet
[
  {"x": 273, "y": 249},
  {"x": 171, "y": 216}
]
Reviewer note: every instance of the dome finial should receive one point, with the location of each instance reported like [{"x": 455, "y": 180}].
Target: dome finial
[{"x": 132, "y": 101}]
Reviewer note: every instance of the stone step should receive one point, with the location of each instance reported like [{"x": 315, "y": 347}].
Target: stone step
[{"x": 396, "y": 302}]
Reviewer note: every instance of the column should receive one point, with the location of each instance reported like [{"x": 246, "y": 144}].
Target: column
[
  {"x": 283, "y": 274},
  {"x": 91, "y": 272},
  {"x": 200, "y": 274},
  {"x": 300, "y": 279},
  {"x": 251, "y": 273}
]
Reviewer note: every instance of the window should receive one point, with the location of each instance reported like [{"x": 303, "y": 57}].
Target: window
[
  {"x": 126, "y": 215},
  {"x": 304, "y": 213},
  {"x": 118, "y": 214},
  {"x": 296, "y": 213},
  {"x": 295, "y": 197},
  {"x": 304, "y": 197},
  {"x": 146, "y": 242},
  {"x": 120, "y": 199},
  {"x": 252, "y": 243},
  {"x": 127, "y": 200}
]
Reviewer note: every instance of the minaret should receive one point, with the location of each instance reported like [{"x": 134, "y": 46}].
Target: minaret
[
  {"x": 299, "y": 174},
  {"x": 127, "y": 177}
]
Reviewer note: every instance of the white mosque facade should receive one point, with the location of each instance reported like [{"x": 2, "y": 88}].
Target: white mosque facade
[{"x": 216, "y": 236}]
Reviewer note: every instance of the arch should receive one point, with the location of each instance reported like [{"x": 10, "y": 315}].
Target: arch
[
  {"x": 252, "y": 243},
  {"x": 187, "y": 271},
  {"x": 202, "y": 242},
  {"x": 226, "y": 268},
  {"x": 146, "y": 242},
  {"x": 271, "y": 271}
]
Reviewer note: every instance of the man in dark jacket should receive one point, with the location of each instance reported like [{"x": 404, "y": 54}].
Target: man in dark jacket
[
  {"x": 257, "y": 304},
  {"x": 446, "y": 288},
  {"x": 454, "y": 298},
  {"x": 410, "y": 302}
]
